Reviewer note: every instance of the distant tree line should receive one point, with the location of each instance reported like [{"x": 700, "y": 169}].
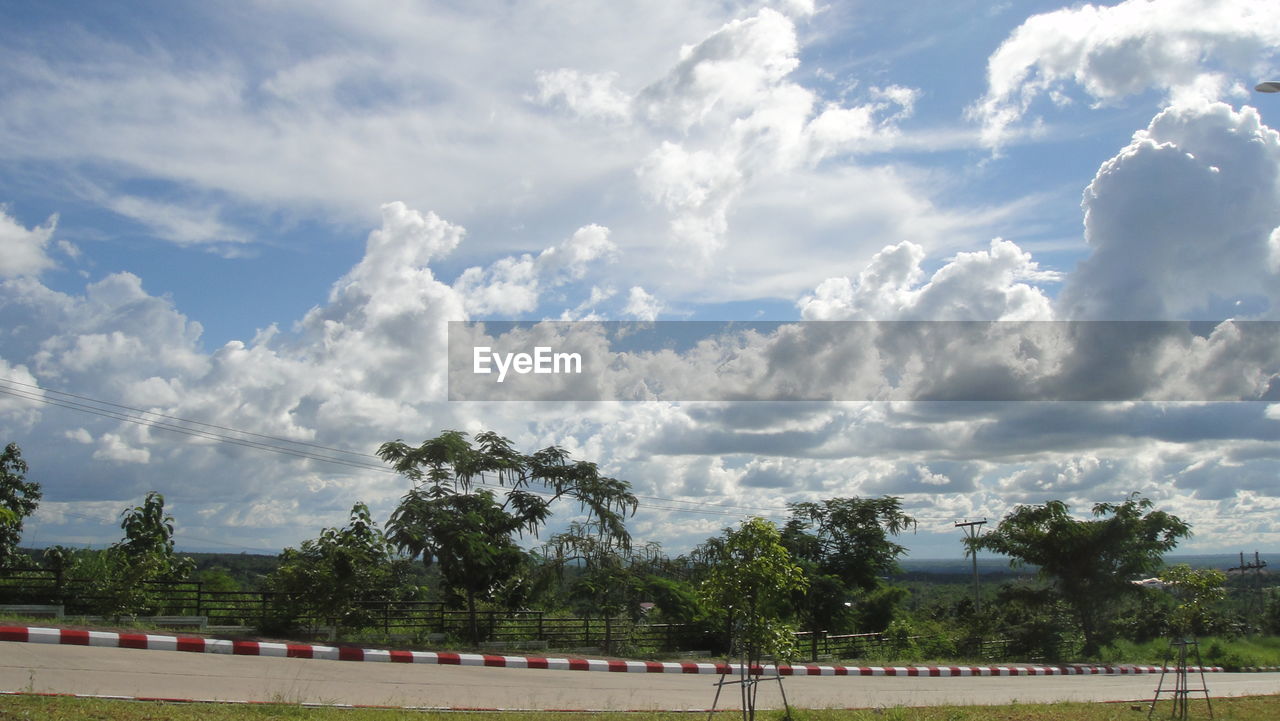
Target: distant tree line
[{"x": 464, "y": 534}]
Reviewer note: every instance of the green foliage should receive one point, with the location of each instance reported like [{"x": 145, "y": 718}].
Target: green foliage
[
  {"x": 1198, "y": 590},
  {"x": 1090, "y": 563},
  {"x": 471, "y": 535},
  {"x": 843, "y": 546},
  {"x": 877, "y": 609},
  {"x": 750, "y": 582},
  {"x": 848, "y": 537},
  {"x": 332, "y": 577},
  {"x": 18, "y": 500},
  {"x": 120, "y": 578},
  {"x": 146, "y": 550}
]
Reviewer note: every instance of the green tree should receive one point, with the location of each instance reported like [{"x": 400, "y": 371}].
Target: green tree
[
  {"x": 471, "y": 534},
  {"x": 18, "y": 500},
  {"x": 750, "y": 581},
  {"x": 1198, "y": 590},
  {"x": 147, "y": 546},
  {"x": 1089, "y": 563},
  {"x": 334, "y": 578},
  {"x": 844, "y": 547}
]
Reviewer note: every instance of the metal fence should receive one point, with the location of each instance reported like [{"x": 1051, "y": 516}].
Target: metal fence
[{"x": 417, "y": 619}]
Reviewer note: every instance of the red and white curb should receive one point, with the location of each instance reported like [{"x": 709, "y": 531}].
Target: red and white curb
[{"x": 110, "y": 639}]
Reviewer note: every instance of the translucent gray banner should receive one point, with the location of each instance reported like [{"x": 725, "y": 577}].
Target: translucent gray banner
[{"x": 864, "y": 361}]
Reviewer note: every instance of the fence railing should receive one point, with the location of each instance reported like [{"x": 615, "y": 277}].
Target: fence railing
[{"x": 423, "y": 619}]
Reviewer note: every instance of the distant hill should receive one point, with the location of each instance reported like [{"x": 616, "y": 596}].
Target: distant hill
[{"x": 998, "y": 566}]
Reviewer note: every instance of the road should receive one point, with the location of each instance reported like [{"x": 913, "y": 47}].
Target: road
[{"x": 172, "y": 674}]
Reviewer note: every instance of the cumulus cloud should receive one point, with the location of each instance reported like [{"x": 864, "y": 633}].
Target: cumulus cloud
[
  {"x": 25, "y": 249},
  {"x": 728, "y": 114},
  {"x": 513, "y": 285},
  {"x": 1181, "y": 47},
  {"x": 364, "y": 367},
  {"x": 1181, "y": 222},
  {"x": 1000, "y": 283},
  {"x": 642, "y": 305}
]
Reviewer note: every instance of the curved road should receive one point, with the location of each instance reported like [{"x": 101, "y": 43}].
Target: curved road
[{"x": 171, "y": 674}]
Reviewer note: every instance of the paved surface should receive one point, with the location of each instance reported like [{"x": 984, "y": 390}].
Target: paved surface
[{"x": 130, "y": 672}]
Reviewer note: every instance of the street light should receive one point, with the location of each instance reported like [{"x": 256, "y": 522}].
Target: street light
[{"x": 1270, "y": 86}]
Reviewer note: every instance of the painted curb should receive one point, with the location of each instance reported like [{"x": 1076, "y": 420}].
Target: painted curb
[{"x": 111, "y": 639}]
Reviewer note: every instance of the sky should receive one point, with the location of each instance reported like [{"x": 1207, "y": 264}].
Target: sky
[{"x": 234, "y": 236}]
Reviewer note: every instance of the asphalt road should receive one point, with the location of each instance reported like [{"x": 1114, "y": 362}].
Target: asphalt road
[{"x": 171, "y": 674}]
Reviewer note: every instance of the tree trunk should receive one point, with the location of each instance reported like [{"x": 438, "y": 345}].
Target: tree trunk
[{"x": 471, "y": 617}]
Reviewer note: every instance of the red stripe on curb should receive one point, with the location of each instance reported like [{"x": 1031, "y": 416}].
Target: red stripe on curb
[
  {"x": 536, "y": 662},
  {"x": 14, "y": 633},
  {"x": 245, "y": 648},
  {"x": 133, "y": 640},
  {"x": 193, "y": 645},
  {"x": 494, "y": 661},
  {"x": 70, "y": 637},
  {"x": 577, "y": 664},
  {"x": 299, "y": 650},
  {"x": 402, "y": 657},
  {"x": 346, "y": 653}
]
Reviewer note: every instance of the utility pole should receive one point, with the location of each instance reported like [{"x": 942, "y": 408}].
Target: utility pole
[
  {"x": 1256, "y": 566},
  {"x": 971, "y": 532}
]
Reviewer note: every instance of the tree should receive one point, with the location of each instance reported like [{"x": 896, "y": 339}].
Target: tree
[
  {"x": 1089, "y": 563},
  {"x": 750, "y": 581},
  {"x": 18, "y": 500},
  {"x": 472, "y": 535},
  {"x": 1197, "y": 591},
  {"x": 147, "y": 546},
  {"x": 335, "y": 576},
  {"x": 843, "y": 545}
]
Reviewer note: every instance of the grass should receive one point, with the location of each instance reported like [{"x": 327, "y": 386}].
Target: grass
[
  {"x": 1230, "y": 653},
  {"x": 12, "y": 708}
]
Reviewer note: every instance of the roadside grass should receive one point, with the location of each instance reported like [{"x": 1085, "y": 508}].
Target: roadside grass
[
  {"x": 1230, "y": 653},
  {"x": 1250, "y": 708}
]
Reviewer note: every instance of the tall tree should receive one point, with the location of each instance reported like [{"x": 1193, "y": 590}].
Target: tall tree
[
  {"x": 844, "y": 546},
  {"x": 1089, "y": 563},
  {"x": 18, "y": 500},
  {"x": 470, "y": 533}
]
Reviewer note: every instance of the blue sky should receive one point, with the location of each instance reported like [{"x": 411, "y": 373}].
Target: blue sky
[{"x": 261, "y": 217}]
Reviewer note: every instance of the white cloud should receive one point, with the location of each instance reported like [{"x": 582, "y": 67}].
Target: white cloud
[
  {"x": 25, "y": 249},
  {"x": 995, "y": 284},
  {"x": 1180, "y": 222},
  {"x": 112, "y": 447},
  {"x": 642, "y": 305},
  {"x": 184, "y": 225},
  {"x": 590, "y": 95},
  {"x": 514, "y": 285},
  {"x": 1176, "y": 46}
]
